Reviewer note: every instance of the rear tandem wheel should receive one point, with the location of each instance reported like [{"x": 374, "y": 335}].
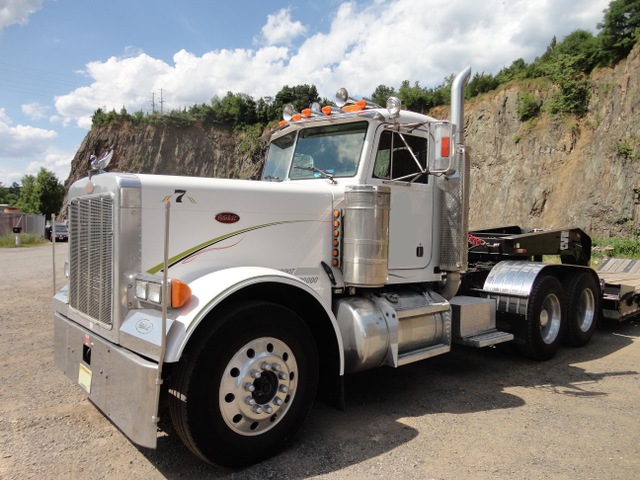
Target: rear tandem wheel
[
  {"x": 545, "y": 321},
  {"x": 583, "y": 308}
]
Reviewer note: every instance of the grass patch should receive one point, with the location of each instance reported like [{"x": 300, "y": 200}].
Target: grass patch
[
  {"x": 26, "y": 240},
  {"x": 615, "y": 247}
]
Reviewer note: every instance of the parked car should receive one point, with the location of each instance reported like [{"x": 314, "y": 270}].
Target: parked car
[{"x": 62, "y": 233}]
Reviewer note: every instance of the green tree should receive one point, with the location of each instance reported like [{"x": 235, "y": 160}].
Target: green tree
[
  {"x": 481, "y": 83},
  {"x": 620, "y": 29},
  {"x": 583, "y": 47},
  {"x": 41, "y": 194},
  {"x": 412, "y": 97},
  {"x": 234, "y": 109},
  {"x": 301, "y": 96},
  {"x": 9, "y": 195},
  {"x": 517, "y": 69},
  {"x": 381, "y": 94},
  {"x": 29, "y": 201},
  {"x": 573, "y": 95},
  {"x": 50, "y": 191}
]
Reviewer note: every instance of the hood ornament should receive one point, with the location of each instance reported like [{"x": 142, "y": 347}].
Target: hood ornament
[{"x": 98, "y": 165}]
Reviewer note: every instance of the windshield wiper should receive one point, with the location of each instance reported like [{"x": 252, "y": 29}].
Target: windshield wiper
[
  {"x": 324, "y": 173},
  {"x": 271, "y": 178}
]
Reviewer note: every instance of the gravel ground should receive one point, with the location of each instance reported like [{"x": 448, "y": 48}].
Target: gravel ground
[{"x": 470, "y": 414}]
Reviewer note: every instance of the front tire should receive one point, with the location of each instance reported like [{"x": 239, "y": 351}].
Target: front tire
[
  {"x": 245, "y": 388},
  {"x": 545, "y": 320}
]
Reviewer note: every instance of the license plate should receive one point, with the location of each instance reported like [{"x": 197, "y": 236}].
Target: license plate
[{"x": 84, "y": 378}]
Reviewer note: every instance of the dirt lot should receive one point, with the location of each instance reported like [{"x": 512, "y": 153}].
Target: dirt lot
[{"x": 471, "y": 414}]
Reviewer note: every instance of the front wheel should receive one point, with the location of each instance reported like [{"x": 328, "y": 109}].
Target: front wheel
[
  {"x": 545, "y": 321},
  {"x": 244, "y": 390}
]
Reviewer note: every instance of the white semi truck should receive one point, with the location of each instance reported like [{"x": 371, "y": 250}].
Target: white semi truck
[{"x": 234, "y": 303}]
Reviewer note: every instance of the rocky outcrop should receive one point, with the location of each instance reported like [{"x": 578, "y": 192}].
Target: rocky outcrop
[
  {"x": 551, "y": 172},
  {"x": 168, "y": 150},
  {"x": 548, "y": 172}
]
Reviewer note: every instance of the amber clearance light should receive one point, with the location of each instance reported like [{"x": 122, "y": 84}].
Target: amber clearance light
[{"x": 337, "y": 237}]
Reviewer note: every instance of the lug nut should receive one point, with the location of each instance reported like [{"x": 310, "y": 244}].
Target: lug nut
[
  {"x": 256, "y": 409},
  {"x": 249, "y": 387},
  {"x": 275, "y": 367},
  {"x": 255, "y": 374},
  {"x": 282, "y": 376},
  {"x": 268, "y": 409},
  {"x": 265, "y": 366},
  {"x": 249, "y": 400},
  {"x": 277, "y": 401},
  {"x": 283, "y": 389}
]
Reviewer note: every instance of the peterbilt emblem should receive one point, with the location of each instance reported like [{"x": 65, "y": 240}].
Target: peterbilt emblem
[{"x": 227, "y": 217}]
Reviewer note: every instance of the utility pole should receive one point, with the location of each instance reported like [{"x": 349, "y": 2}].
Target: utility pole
[
  {"x": 161, "y": 102},
  {"x": 153, "y": 102}
]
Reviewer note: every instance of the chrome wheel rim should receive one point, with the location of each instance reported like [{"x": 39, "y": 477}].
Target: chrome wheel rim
[
  {"x": 550, "y": 318},
  {"x": 258, "y": 386},
  {"x": 586, "y": 310}
]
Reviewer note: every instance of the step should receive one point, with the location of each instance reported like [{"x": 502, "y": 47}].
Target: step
[
  {"x": 485, "y": 339},
  {"x": 421, "y": 354}
]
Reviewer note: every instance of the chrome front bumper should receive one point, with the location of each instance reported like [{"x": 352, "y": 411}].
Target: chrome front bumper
[{"x": 120, "y": 383}]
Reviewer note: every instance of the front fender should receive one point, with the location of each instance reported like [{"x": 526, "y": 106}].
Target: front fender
[{"x": 213, "y": 288}]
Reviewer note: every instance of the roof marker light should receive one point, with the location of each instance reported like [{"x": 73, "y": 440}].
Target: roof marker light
[{"x": 359, "y": 105}]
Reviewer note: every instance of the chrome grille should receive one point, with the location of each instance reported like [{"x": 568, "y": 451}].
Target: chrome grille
[{"x": 91, "y": 256}]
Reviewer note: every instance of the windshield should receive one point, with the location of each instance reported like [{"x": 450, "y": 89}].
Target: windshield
[
  {"x": 277, "y": 163},
  {"x": 320, "y": 152}
]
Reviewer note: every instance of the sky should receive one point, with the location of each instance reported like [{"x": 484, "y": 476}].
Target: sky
[{"x": 60, "y": 60}]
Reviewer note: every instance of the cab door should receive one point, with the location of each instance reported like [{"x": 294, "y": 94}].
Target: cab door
[{"x": 399, "y": 161}]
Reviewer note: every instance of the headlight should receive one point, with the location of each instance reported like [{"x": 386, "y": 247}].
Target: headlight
[
  {"x": 149, "y": 289},
  {"x": 154, "y": 293}
]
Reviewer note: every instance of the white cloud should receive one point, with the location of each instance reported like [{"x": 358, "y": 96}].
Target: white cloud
[
  {"x": 22, "y": 140},
  {"x": 34, "y": 110},
  {"x": 365, "y": 46},
  {"x": 57, "y": 162},
  {"x": 17, "y": 11},
  {"x": 280, "y": 29},
  {"x": 22, "y": 145}
]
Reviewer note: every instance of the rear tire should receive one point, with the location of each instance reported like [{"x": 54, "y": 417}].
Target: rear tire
[
  {"x": 545, "y": 320},
  {"x": 583, "y": 309},
  {"x": 244, "y": 389}
]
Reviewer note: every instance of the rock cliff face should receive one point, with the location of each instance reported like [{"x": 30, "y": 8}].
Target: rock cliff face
[{"x": 548, "y": 172}]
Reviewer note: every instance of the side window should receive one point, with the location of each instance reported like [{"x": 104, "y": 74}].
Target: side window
[{"x": 394, "y": 159}]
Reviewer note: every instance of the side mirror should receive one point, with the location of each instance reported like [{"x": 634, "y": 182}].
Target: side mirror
[{"x": 444, "y": 156}]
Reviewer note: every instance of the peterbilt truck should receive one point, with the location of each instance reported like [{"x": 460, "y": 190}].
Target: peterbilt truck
[{"x": 231, "y": 304}]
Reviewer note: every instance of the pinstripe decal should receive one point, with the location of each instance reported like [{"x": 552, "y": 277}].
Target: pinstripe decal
[{"x": 194, "y": 250}]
